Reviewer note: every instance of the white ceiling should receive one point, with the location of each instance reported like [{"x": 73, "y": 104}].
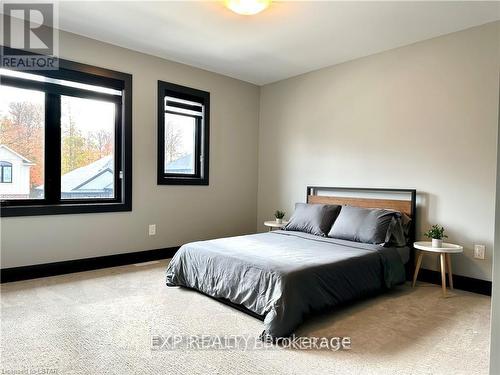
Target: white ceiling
[{"x": 287, "y": 39}]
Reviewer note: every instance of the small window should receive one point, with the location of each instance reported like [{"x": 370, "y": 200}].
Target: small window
[
  {"x": 183, "y": 135},
  {"x": 5, "y": 172}
]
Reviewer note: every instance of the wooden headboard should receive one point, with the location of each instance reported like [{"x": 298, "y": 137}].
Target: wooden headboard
[
  {"x": 407, "y": 206},
  {"x": 389, "y": 204},
  {"x": 407, "y": 203}
]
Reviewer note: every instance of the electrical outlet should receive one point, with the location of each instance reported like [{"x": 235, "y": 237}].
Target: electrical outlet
[
  {"x": 479, "y": 251},
  {"x": 152, "y": 229}
]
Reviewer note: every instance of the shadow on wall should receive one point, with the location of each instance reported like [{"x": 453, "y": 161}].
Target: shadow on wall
[
  {"x": 424, "y": 212},
  {"x": 428, "y": 206}
]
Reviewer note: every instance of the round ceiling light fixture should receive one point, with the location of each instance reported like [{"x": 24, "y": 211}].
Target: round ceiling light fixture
[{"x": 247, "y": 7}]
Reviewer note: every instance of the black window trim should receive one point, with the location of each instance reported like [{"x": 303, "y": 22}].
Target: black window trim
[
  {"x": 52, "y": 204},
  {"x": 201, "y": 176}
]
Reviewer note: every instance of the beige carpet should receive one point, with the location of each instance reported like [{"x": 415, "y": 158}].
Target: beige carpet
[{"x": 101, "y": 322}]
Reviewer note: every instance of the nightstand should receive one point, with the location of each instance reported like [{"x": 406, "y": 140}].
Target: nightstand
[
  {"x": 273, "y": 224},
  {"x": 445, "y": 258}
]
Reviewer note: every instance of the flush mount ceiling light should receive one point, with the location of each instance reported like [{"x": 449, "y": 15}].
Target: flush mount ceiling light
[{"x": 247, "y": 7}]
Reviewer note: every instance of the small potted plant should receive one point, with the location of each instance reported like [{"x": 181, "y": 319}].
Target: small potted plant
[
  {"x": 436, "y": 233},
  {"x": 279, "y": 215}
]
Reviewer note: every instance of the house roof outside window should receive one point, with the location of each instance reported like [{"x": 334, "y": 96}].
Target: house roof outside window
[
  {"x": 97, "y": 178},
  {"x": 94, "y": 178},
  {"x": 182, "y": 165},
  {"x": 25, "y": 160}
]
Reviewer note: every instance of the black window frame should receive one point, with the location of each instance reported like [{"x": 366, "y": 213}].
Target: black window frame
[
  {"x": 3, "y": 165},
  {"x": 53, "y": 203},
  {"x": 202, "y": 136}
]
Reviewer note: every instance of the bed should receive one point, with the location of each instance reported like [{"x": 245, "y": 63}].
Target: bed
[{"x": 283, "y": 277}]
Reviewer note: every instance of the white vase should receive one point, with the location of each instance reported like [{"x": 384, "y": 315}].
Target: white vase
[
  {"x": 279, "y": 221},
  {"x": 437, "y": 243}
]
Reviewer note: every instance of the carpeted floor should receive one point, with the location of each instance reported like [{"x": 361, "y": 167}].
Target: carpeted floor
[{"x": 102, "y": 322}]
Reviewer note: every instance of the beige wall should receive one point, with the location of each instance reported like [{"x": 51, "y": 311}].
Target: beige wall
[
  {"x": 182, "y": 213},
  {"x": 422, "y": 116}
]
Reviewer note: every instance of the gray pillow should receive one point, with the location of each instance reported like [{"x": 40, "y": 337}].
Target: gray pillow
[
  {"x": 313, "y": 218},
  {"x": 367, "y": 225}
]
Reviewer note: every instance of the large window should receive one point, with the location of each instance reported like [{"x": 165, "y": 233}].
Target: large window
[
  {"x": 65, "y": 142},
  {"x": 183, "y": 130}
]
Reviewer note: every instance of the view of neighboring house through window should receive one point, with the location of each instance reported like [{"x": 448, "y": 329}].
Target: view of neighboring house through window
[
  {"x": 180, "y": 143},
  {"x": 65, "y": 141},
  {"x": 22, "y": 117},
  {"x": 87, "y": 147}
]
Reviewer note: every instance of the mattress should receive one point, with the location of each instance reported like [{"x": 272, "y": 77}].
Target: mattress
[{"x": 285, "y": 276}]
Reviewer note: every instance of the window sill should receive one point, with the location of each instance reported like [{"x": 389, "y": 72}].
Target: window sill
[
  {"x": 61, "y": 209},
  {"x": 182, "y": 181}
]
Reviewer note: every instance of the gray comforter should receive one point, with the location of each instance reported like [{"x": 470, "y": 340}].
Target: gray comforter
[{"x": 284, "y": 276}]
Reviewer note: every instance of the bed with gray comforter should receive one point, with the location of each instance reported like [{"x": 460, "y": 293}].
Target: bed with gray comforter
[{"x": 284, "y": 276}]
